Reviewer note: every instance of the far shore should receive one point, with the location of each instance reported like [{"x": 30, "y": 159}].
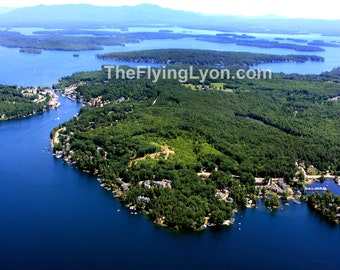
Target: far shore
[{"x": 311, "y": 178}]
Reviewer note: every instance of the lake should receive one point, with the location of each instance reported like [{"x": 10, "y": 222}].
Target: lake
[
  {"x": 55, "y": 217},
  {"x": 46, "y": 68}
]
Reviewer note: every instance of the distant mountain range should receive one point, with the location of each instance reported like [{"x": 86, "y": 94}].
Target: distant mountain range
[
  {"x": 97, "y": 15},
  {"x": 83, "y": 15}
]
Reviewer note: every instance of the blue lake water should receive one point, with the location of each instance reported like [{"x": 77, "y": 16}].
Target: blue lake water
[
  {"x": 46, "y": 68},
  {"x": 55, "y": 217},
  {"x": 327, "y": 183}
]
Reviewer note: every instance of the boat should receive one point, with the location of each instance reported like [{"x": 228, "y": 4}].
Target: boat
[
  {"x": 296, "y": 201},
  {"x": 315, "y": 188}
]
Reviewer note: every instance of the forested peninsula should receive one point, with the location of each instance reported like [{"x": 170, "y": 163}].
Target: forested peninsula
[
  {"x": 188, "y": 154},
  {"x": 22, "y": 102}
]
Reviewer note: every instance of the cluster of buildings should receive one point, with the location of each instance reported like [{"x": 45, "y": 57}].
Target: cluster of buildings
[
  {"x": 41, "y": 94},
  {"x": 165, "y": 183},
  {"x": 143, "y": 199},
  {"x": 223, "y": 195},
  {"x": 278, "y": 186},
  {"x": 71, "y": 91}
]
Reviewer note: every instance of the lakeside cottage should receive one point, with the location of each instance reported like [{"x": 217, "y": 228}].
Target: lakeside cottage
[
  {"x": 165, "y": 183},
  {"x": 143, "y": 199}
]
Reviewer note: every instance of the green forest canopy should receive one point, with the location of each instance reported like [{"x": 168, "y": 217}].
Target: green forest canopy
[
  {"x": 13, "y": 104},
  {"x": 258, "y": 129},
  {"x": 205, "y": 57}
]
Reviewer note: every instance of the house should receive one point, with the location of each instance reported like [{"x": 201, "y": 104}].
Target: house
[
  {"x": 281, "y": 184},
  {"x": 165, "y": 183},
  {"x": 143, "y": 199},
  {"x": 121, "y": 99},
  {"x": 146, "y": 184}
]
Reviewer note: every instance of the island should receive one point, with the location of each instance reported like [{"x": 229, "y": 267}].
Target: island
[
  {"x": 190, "y": 154},
  {"x": 81, "y": 40},
  {"x": 31, "y": 50},
  {"x": 78, "y": 40},
  {"x": 206, "y": 57},
  {"x": 299, "y": 40},
  {"x": 323, "y": 43},
  {"x": 263, "y": 43}
]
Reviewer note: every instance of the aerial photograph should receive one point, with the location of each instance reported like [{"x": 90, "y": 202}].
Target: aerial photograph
[{"x": 157, "y": 134}]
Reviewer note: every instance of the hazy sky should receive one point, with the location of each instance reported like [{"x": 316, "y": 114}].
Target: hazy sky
[{"x": 325, "y": 9}]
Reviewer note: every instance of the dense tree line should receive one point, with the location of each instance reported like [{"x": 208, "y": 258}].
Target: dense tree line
[
  {"x": 56, "y": 42},
  {"x": 260, "y": 129},
  {"x": 326, "y": 204},
  {"x": 276, "y": 44},
  {"x": 263, "y": 43},
  {"x": 205, "y": 57},
  {"x": 78, "y": 40},
  {"x": 13, "y": 104}
]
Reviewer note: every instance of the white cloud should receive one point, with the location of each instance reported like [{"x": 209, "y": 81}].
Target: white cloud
[{"x": 327, "y": 9}]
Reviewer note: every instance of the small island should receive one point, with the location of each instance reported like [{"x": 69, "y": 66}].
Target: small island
[
  {"x": 31, "y": 50},
  {"x": 263, "y": 43},
  {"x": 323, "y": 43}
]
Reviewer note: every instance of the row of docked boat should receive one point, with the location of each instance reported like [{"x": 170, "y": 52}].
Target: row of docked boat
[{"x": 315, "y": 188}]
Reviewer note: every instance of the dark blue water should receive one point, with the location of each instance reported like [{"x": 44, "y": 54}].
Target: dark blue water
[
  {"x": 55, "y": 217},
  {"x": 327, "y": 183}
]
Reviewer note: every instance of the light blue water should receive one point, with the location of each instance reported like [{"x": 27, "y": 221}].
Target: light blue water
[{"x": 46, "y": 68}]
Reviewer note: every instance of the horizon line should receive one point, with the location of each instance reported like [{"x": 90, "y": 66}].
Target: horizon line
[{"x": 264, "y": 16}]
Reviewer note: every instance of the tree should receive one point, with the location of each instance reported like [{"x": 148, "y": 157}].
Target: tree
[{"x": 217, "y": 217}]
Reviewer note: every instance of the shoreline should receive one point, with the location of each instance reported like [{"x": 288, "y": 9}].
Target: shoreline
[{"x": 42, "y": 95}]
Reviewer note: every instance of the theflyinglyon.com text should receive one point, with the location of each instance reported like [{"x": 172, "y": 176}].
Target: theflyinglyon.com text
[{"x": 185, "y": 74}]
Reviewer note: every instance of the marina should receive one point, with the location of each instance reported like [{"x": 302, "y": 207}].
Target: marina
[{"x": 315, "y": 188}]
